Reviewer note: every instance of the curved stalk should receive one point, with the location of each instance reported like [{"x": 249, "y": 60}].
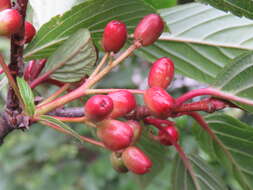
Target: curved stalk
[
  {"x": 211, "y": 92},
  {"x": 84, "y": 139}
]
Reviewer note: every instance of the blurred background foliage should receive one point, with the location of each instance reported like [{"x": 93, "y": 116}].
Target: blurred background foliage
[{"x": 42, "y": 158}]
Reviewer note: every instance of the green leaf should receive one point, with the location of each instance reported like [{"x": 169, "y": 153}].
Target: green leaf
[
  {"x": 206, "y": 176},
  {"x": 237, "y": 7},
  {"x": 27, "y": 96},
  {"x": 236, "y": 79},
  {"x": 202, "y": 40},
  {"x": 73, "y": 59},
  {"x": 92, "y": 14},
  {"x": 159, "y": 4},
  {"x": 157, "y": 153},
  {"x": 237, "y": 139},
  {"x": 60, "y": 124}
]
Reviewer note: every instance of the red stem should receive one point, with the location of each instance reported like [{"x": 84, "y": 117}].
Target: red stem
[
  {"x": 181, "y": 153},
  {"x": 209, "y": 105},
  {"x": 84, "y": 139},
  {"x": 212, "y": 92}
]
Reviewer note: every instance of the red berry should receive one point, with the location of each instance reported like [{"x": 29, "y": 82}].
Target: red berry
[
  {"x": 136, "y": 161},
  {"x": 114, "y": 37},
  {"x": 115, "y": 134},
  {"x": 30, "y": 32},
  {"x": 10, "y": 22},
  {"x": 123, "y": 103},
  {"x": 161, "y": 73},
  {"x": 137, "y": 129},
  {"x": 98, "y": 107},
  {"x": 159, "y": 102},
  {"x": 149, "y": 29},
  {"x": 5, "y": 4},
  {"x": 117, "y": 163},
  {"x": 163, "y": 135}
]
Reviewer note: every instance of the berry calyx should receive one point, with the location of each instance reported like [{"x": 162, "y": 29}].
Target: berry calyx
[
  {"x": 163, "y": 135},
  {"x": 161, "y": 73},
  {"x": 136, "y": 160},
  {"x": 159, "y": 102},
  {"x": 98, "y": 107},
  {"x": 115, "y": 135},
  {"x": 117, "y": 163},
  {"x": 123, "y": 103},
  {"x": 10, "y": 22},
  {"x": 5, "y": 4},
  {"x": 30, "y": 32},
  {"x": 137, "y": 129},
  {"x": 149, "y": 29},
  {"x": 114, "y": 36}
]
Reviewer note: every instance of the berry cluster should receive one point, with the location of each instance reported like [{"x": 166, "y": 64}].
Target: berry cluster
[
  {"x": 11, "y": 22},
  {"x": 114, "y": 112},
  {"x": 105, "y": 110}
]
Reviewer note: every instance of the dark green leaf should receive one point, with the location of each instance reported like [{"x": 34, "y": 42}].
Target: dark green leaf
[
  {"x": 73, "y": 59},
  {"x": 60, "y": 124},
  {"x": 202, "y": 40},
  {"x": 92, "y": 14},
  {"x": 27, "y": 96},
  {"x": 236, "y": 79},
  {"x": 157, "y": 153},
  {"x": 237, "y": 7},
  {"x": 206, "y": 176},
  {"x": 237, "y": 139}
]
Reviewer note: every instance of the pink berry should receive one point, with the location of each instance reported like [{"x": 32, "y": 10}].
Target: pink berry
[
  {"x": 10, "y": 22},
  {"x": 123, "y": 103},
  {"x": 5, "y": 4},
  {"x": 114, "y": 37},
  {"x": 30, "y": 32},
  {"x": 137, "y": 129},
  {"x": 116, "y": 135},
  {"x": 117, "y": 163},
  {"x": 161, "y": 73},
  {"x": 149, "y": 29},
  {"x": 159, "y": 102},
  {"x": 163, "y": 135},
  {"x": 136, "y": 160},
  {"x": 98, "y": 107}
]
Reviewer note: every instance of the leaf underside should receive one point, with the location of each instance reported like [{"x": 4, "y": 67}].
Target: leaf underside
[
  {"x": 73, "y": 59},
  {"x": 237, "y": 139}
]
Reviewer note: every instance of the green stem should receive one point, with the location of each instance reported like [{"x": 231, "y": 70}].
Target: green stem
[{"x": 56, "y": 94}]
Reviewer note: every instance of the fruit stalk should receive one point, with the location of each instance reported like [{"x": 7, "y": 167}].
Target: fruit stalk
[{"x": 81, "y": 91}]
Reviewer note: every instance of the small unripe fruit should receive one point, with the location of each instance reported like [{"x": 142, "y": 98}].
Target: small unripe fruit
[
  {"x": 10, "y": 22},
  {"x": 159, "y": 102},
  {"x": 136, "y": 160},
  {"x": 137, "y": 129},
  {"x": 117, "y": 163},
  {"x": 123, "y": 103},
  {"x": 114, "y": 36},
  {"x": 98, "y": 107},
  {"x": 5, "y": 4},
  {"x": 30, "y": 32},
  {"x": 163, "y": 135},
  {"x": 115, "y": 134},
  {"x": 161, "y": 73},
  {"x": 149, "y": 29}
]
